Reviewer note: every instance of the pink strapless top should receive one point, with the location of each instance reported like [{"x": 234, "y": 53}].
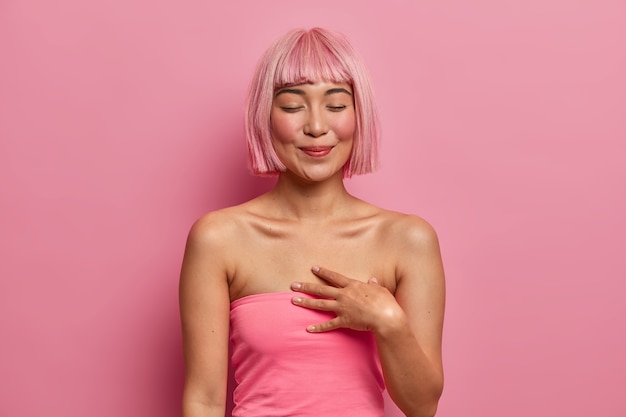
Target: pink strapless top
[{"x": 282, "y": 370}]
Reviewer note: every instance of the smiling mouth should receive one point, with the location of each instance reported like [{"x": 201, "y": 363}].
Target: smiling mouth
[{"x": 317, "y": 151}]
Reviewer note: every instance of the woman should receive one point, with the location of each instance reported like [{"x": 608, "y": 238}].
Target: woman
[{"x": 327, "y": 299}]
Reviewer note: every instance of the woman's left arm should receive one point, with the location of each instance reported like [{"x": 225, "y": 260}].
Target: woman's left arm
[
  {"x": 407, "y": 327},
  {"x": 409, "y": 341}
]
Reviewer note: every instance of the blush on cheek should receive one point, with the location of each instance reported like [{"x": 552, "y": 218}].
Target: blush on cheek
[
  {"x": 283, "y": 130},
  {"x": 345, "y": 128}
]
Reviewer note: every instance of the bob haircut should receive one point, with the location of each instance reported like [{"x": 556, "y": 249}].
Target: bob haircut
[{"x": 303, "y": 57}]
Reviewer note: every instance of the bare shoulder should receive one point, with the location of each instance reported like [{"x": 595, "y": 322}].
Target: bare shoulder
[
  {"x": 408, "y": 231},
  {"x": 211, "y": 248},
  {"x": 220, "y": 227},
  {"x": 215, "y": 236},
  {"x": 215, "y": 225},
  {"x": 413, "y": 245}
]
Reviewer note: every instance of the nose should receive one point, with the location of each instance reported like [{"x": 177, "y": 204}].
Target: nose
[{"x": 315, "y": 125}]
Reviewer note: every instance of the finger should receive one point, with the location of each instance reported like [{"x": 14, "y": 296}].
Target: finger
[
  {"x": 315, "y": 303},
  {"x": 332, "y": 277},
  {"x": 325, "y": 326},
  {"x": 320, "y": 290}
]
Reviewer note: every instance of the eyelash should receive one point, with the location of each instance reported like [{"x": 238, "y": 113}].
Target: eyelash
[
  {"x": 295, "y": 109},
  {"x": 291, "y": 109}
]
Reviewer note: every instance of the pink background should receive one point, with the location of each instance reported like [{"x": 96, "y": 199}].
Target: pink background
[{"x": 504, "y": 125}]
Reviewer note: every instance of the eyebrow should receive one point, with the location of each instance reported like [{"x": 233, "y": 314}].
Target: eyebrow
[
  {"x": 290, "y": 91},
  {"x": 300, "y": 92},
  {"x": 337, "y": 91}
]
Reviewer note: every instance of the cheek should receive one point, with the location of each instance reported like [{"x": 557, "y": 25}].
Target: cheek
[
  {"x": 281, "y": 129},
  {"x": 345, "y": 127}
]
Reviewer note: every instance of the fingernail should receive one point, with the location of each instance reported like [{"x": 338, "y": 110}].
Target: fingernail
[
  {"x": 310, "y": 329},
  {"x": 296, "y": 285},
  {"x": 296, "y": 300},
  {"x": 315, "y": 269}
]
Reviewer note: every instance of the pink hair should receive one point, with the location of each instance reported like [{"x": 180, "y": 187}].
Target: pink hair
[{"x": 302, "y": 57}]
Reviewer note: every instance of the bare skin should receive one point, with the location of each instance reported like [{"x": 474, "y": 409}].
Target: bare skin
[{"x": 381, "y": 270}]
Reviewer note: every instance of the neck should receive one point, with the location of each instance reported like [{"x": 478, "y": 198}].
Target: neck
[{"x": 314, "y": 201}]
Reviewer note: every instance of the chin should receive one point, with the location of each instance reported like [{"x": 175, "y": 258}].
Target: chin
[{"x": 322, "y": 176}]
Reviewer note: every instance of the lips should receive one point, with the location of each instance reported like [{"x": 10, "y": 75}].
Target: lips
[{"x": 316, "y": 151}]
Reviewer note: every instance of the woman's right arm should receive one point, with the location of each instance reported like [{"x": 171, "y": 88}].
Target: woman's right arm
[{"x": 204, "y": 309}]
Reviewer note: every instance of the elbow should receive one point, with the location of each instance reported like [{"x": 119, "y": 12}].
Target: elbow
[
  {"x": 429, "y": 410},
  {"x": 427, "y": 406},
  {"x": 196, "y": 403},
  {"x": 426, "y": 409}
]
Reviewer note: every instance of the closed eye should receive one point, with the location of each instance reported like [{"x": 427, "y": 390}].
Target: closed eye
[
  {"x": 290, "y": 109},
  {"x": 336, "y": 108}
]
